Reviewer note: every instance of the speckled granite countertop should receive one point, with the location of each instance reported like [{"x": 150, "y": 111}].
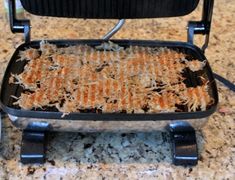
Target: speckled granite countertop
[{"x": 134, "y": 155}]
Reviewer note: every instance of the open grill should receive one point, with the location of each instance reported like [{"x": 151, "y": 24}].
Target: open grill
[{"x": 165, "y": 85}]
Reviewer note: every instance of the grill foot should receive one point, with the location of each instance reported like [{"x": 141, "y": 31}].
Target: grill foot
[
  {"x": 184, "y": 145},
  {"x": 33, "y": 147}
]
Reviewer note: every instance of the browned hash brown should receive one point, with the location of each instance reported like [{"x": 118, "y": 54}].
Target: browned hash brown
[{"x": 132, "y": 80}]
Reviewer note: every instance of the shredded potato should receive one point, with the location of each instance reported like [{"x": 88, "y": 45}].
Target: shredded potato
[
  {"x": 195, "y": 65},
  {"x": 108, "y": 78},
  {"x": 28, "y": 54}
]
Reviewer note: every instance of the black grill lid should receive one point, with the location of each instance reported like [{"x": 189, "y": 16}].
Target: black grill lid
[{"x": 110, "y": 9}]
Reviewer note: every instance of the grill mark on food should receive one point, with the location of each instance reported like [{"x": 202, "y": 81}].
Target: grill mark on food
[
  {"x": 132, "y": 90},
  {"x": 116, "y": 84},
  {"x": 89, "y": 90},
  {"x": 133, "y": 80},
  {"x": 78, "y": 94},
  {"x": 100, "y": 85},
  {"x": 135, "y": 99},
  {"x": 159, "y": 67},
  {"x": 123, "y": 88},
  {"x": 119, "y": 83},
  {"x": 168, "y": 70},
  {"x": 93, "y": 89},
  {"x": 85, "y": 96}
]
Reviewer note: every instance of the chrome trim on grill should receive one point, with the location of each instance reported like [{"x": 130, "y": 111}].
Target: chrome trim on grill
[{"x": 98, "y": 126}]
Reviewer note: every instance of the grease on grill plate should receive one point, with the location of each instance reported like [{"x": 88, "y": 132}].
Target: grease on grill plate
[{"x": 132, "y": 80}]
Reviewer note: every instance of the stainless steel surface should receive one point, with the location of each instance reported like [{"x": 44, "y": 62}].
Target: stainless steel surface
[{"x": 94, "y": 126}]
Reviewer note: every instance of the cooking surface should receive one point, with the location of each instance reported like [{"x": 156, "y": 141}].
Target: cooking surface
[
  {"x": 159, "y": 82},
  {"x": 136, "y": 155}
]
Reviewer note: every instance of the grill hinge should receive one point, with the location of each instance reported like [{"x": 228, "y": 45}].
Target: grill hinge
[
  {"x": 198, "y": 27},
  {"x": 202, "y": 27},
  {"x": 18, "y": 25}
]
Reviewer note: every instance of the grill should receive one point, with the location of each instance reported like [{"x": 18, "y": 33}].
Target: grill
[{"x": 117, "y": 89}]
